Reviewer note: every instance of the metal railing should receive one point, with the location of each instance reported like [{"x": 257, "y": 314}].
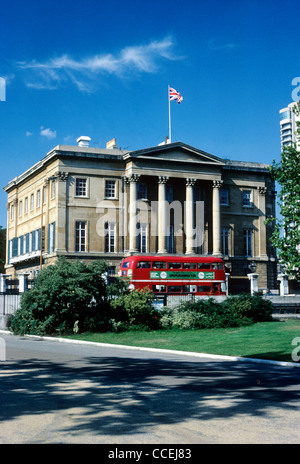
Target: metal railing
[{"x": 9, "y": 303}]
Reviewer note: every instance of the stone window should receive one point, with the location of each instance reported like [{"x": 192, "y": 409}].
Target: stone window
[
  {"x": 81, "y": 188},
  {"x": 80, "y": 236},
  {"x": 110, "y": 189}
]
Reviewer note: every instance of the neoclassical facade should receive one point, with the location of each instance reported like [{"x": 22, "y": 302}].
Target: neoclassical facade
[{"x": 89, "y": 203}]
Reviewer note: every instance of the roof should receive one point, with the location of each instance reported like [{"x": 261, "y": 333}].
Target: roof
[
  {"x": 172, "y": 146},
  {"x": 67, "y": 151},
  {"x": 154, "y": 153}
]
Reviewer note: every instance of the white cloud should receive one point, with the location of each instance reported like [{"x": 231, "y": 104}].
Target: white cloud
[
  {"x": 59, "y": 71},
  {"x": 213, "y": 46},
  {"x": 48, "y": 133},
  {"x": 69, "y": 139},
  {"x": 28, "y": 133}
]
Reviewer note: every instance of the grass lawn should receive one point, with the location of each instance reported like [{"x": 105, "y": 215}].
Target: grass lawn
[{"x": 264, "y": 340}]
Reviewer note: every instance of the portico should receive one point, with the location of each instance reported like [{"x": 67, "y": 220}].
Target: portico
[
  {"x": 183, "y": 214},
  {"x": 185, "y": 170}
]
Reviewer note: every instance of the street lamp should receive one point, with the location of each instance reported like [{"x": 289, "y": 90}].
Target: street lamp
[{"x": 252, "y": 266}]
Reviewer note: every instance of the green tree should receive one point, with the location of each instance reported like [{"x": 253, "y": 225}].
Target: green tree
[{"x": 286, "y": 235}]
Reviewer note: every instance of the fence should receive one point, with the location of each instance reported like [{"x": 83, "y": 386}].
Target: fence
[
  {"x": 9, "y": 304},
  {"x": 15, "y": 286},
  {"x": 11, "y": 291},
  {"x": 174, "y": 300}
]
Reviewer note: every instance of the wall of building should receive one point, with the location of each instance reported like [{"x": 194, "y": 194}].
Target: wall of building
[{"x": 61, "y": 210}]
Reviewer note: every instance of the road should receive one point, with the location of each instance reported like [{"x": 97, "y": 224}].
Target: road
[{"x": 54, "y": 392}]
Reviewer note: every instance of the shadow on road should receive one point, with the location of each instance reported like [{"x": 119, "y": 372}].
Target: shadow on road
[{"x": 122, "y": 395}]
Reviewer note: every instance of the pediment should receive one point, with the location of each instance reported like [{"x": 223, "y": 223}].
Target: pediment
[{"x": 175, "y": 152}]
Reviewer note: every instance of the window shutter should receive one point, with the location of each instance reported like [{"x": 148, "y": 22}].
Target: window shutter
[
  {"x": 21, "y": 244},
  {"x": 53, "y": 231},
  {"x": 39, "y": 239},
  {"x": 33, "y": 240},
  {"x": 14, "y": 246},
  {"x": 27, "y": 243}
]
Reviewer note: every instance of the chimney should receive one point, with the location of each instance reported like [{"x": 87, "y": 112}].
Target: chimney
[
  {"x": 83, "y": 141},
  {"x": 111, "y": 144}
]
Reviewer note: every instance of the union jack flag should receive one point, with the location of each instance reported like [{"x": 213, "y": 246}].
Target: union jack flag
[{"x": 174, "y": 95}]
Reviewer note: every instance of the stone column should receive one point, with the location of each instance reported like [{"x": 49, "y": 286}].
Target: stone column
[
  {"x": 189, "y": 216},
  {"x": 162, "y": 223},
  {"x": 253, "y": 277},
  {"x": 216, "y": 217},
  {"x": 16, "y": 214},
  {"x": 284, "y": 284},
  {"x": 23, "y": 282},
  {"x": 262, "y": 217},
  {"x": 3, "y": 278},
  {"x": 133, "y": 179},
  {"x": 62, "y": 226}
]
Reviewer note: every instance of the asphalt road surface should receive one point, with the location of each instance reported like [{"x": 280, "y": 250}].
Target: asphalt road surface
[{"x": 61, "y": 393}]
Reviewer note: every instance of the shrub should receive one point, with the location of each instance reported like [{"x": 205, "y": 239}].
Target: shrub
[
  {"x": 256, "y": 308},
  {"x": 71, "y": 297},
  {"x": 134, "y": 310},
  {"x": 64, "y": 293},
  {"x": 232, "y": 312}
]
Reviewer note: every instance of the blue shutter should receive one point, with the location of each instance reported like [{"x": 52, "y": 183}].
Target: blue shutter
[
  {"x": 49, "y": 229},
  {"x": 21, "y": 244},
  {"x": 53, "y": 236},
  {"x": 33, "y": 240},
  {"x": 27, "y": 243},
  {"x": 39, "y": 239},
  {"x": 14, "y": 247}
]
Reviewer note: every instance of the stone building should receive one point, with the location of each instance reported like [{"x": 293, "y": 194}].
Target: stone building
[{"x": 91, "y": 203}]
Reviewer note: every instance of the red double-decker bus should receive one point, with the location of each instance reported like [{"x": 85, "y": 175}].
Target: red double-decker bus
[{"x": 175, "y": 275}]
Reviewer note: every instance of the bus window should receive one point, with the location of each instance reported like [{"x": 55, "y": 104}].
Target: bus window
[
  {"x": 203, "y": 266},
  {"x": 174, "y": 289},
  {"x": 217, "y": 266},
  {"x": 204, "y": 288},
  {"x": 174, "y": 265},
  {"x": 189, "y": 288},
  {"x": 144, "y": 265},
  {"x": 189, "y": 266},
  {"x": 216, "y": 288},
  {"x": 159, "y": 265},
  {"x": 125, "y": 264},
  {"x": 159, "y": 288}
]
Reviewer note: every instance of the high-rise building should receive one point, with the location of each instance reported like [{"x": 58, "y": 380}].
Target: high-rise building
[{"x": 288, "y": 126}]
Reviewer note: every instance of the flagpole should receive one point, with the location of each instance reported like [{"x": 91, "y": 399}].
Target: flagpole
[{"x": 169, "y": 114}]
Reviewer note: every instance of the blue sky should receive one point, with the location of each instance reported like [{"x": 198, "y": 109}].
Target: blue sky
[{"x": 102, "y": 69}]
